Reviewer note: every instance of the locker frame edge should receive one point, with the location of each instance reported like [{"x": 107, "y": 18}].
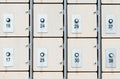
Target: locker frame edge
[
  {"x": 65, "y": 39},
  {"x": 99, "y": 71},
  {"x": 31, "y": 39}
]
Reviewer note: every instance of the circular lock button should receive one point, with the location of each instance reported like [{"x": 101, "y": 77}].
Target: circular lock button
[
  {"x": 76, "y": 20},
  {"x": 7, "y": 53},
  {"x": 76, "y": 54},
  {"x": 42, "y": 54},
  {"x": 8, "y": 20},
  {"x": 111, "y": 55},
  {"x": 42, "y": 20},
  {"x": 110, "y": 20}
]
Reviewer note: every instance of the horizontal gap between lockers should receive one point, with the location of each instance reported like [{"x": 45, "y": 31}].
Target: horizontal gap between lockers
[
  {"x": 81, "y": 37},
  {"x": 47, "y": 3},
  {"x": 14, "y": 36},
  {"x": 47, "y": 71},
  {"x": 68, "y": 37},
  {"x": 110, "y": 37},
  {"x": 81, "y": 71},
  {"x": 14, "y": 2},
  {"x": 47, "y": 37},
  {"x": 110, "y": 3},
  {"x": 110, "y": 71},
  {"x": 81, "y": 3},
  {"x": 14, "y": 70}
]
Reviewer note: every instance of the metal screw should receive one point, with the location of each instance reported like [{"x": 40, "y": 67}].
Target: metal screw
[
  {"x": 95, "y": 29},
  {"x": 95, "y": 46},
  {"x": 60, "y": 46},
  {"x": 60, "y": 63},
  {"x": 61, "y": 28},
  {"x": 95, "y": 63}
]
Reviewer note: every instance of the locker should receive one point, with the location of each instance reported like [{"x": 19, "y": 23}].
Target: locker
[
  {"x": 82, "y": 75},
  {"x": 48, "y": 1},
  {"x": 15, "y": 75},
  {"x": 110, "y": 75},
  {"x": 14, "y": 54},
  {"x": 48, "y": 54},
  {"x": 45, "y": 25},
  {"x": 82, "y": 1},
  {"x": 110, "y": 55},
  {"x": 14, "y": 20},
  {"x": 110, "y": 1},
  {"x": 46, "y": 75},
  {"x": 110, "y": 21},
  {"x": 79, "y": 24},
  {"x": 82, "y": 55},
  {"x": 14, "y": 0}
]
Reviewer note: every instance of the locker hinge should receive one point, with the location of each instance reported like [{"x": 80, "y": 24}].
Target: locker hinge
[
  {"x": 30, "y": 28},
  {"x": 64, "y": 78},
  {"x": 97, "y": 12},
  {"x": 30, "y": 45},
  {"x": 64, "y": 11},
  {"x": 30, "y": 11}
]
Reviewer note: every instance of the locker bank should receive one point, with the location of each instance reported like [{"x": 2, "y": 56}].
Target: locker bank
[{"x": 59, "y": 39}]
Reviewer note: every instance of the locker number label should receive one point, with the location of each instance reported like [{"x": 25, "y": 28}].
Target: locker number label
[
  {"x": 42, "y": 23},
  {"x": 42, "y": 57},
  {"x": 8, "y": 57},
  {"x": 8, "y": 23},
  {"x": 76, "y": 24},
  {"x": 76, "y": 58},
  {"x": 110, "y": 58},
  {"x": 110, "y": 25}
]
